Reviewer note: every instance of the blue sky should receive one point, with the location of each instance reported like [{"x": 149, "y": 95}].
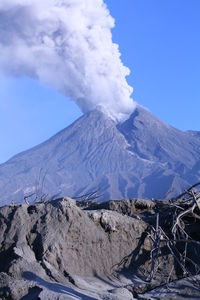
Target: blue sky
[{"x": 160, "y": 43}]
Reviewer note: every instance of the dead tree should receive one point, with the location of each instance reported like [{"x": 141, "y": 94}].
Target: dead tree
[
  {"x": 40, "y": 196},
  {"x": 26, "y": 197},
  {"x": 88, "y": 199},
  {"x": 180, "y": 240}
]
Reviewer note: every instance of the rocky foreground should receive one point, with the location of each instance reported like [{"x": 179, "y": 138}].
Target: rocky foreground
[{"x": 65, "y": 250}]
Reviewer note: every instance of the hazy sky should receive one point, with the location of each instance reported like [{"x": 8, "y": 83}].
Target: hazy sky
[{"x": 159, "y": 42}]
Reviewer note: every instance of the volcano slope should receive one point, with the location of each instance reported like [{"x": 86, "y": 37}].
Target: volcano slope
[
  {"x": 141, "y": 157},
  {"x": 57, "y": 250}
]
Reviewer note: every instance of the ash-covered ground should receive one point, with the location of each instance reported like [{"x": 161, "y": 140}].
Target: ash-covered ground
[{"x": 67, "y": 250}]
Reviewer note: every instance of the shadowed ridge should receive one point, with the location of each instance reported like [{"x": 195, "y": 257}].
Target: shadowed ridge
[{"x": 154, "y": 140}]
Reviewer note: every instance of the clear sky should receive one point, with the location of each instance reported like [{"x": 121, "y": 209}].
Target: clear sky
[{"x": 160, "y": 43}]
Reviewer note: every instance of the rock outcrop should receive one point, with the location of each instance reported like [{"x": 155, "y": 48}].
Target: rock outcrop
[{"x": 58, "y": 241}]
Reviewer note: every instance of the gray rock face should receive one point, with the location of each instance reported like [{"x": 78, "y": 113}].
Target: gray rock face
[
  {"x": 142, "y": 157},
  {"x": 56, "y": 250},
  {"x": 52, "y": 248}
]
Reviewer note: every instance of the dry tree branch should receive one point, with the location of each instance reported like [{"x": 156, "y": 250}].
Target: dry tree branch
[
  {"x": 26, "y": 197},
  {"x": 178, "y": 240}
]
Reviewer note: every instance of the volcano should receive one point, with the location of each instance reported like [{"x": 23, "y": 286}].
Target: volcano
[{"x": 141, "y": 157}]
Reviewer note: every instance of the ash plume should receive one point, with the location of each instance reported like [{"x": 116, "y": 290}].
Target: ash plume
[{"x": 66, "y": 44}]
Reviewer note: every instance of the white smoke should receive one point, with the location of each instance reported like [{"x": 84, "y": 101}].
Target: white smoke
[{"x": 66, "y": 44}]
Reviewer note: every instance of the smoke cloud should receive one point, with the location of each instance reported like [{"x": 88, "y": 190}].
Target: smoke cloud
[{"x": 66, "y": 44}]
